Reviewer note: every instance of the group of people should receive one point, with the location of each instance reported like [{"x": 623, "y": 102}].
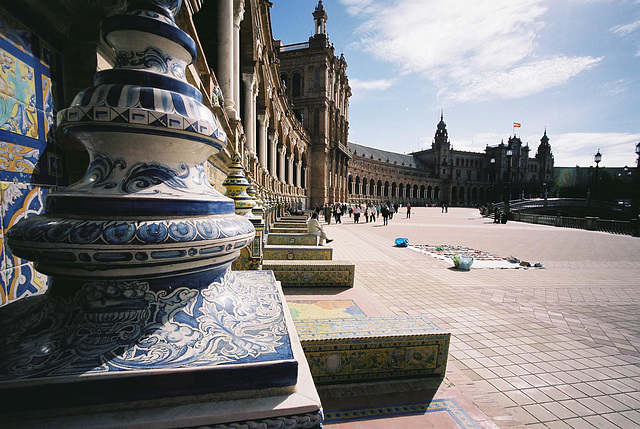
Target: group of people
[{"x": 370, "y": 211}]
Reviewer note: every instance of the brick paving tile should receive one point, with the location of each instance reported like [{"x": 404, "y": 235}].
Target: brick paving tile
[{"x": 569, "y": 332}]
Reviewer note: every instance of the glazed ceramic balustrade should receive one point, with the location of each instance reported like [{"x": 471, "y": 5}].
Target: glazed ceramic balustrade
[{"x": 139, "y": 250}]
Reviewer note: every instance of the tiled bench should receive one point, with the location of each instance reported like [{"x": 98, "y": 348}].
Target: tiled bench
[
  {"x": 299, "y": 230},
  {"x": 288, "y": 253},
  {"x": 283, "y": 239},
  {"x": 312, "y": 273},
  {"x": 280, "y": 224},
  {"x": 296, "y": 218},
  {"x": 362, "y": 349}
]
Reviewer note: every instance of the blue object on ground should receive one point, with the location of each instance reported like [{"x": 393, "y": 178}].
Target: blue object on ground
[{"x": 402, "y": 242}]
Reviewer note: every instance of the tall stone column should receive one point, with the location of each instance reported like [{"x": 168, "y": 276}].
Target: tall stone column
[
  {"x": 249, "y": 108},
  {"x": 263, "y": 123},
  {"x": 281, "y": 154},
  {"x": 298, "y": 169},
  {"x": 225, "y": 71},
  {"x": 305, "y": 174},
  {"x": 290, "y": 168},
  {"x": 238, "y": 16},
  {"x": 273, "y": 150}
]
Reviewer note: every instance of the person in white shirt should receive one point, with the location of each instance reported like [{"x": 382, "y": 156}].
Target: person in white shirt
[{"x": 314, "y": 227}]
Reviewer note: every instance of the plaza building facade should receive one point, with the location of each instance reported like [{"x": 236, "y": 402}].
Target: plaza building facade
[{"x": 443, "y": 175}]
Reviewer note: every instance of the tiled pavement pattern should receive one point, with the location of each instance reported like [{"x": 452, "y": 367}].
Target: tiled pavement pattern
[{"x": 542, "y": 348}]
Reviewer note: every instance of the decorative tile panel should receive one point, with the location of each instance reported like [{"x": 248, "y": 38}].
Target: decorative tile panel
[
  {"x": 28, "y": 94},
  {"x": 307, "y": 253},
  {"x": 29, "y": 164},
  {"x": 312, "y": 273},
  {"x": 292, "y": 239},
  {"x": 365, "y": 349}
]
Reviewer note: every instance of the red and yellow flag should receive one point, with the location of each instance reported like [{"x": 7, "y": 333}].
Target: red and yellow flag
[{"x": 517, "y": 125}]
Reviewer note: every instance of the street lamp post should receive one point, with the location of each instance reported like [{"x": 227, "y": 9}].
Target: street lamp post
[
  {"x": 597, "y": 158},
  {"x": 507, "y": 191},
  {"x": 636, "y": 194},
  {"x": 491, "y": 179}
]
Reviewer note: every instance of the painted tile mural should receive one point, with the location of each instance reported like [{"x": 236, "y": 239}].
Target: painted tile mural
[{"x": 30, "y": 165}]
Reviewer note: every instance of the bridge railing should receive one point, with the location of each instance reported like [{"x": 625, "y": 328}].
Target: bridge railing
[{"x": 588, "y": 223}]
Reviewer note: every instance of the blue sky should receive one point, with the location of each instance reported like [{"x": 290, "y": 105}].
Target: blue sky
[{"x": 572, "y": 66}]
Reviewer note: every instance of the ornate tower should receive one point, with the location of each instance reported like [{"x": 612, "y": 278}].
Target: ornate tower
[
  {"x": 545, "y": 159},
  {"x": 442, "y": 149}
]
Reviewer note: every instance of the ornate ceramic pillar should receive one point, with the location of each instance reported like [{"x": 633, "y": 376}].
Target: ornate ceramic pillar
[
  {"x": 142, "y": 305},
  {"x": 243, "y": 193}
]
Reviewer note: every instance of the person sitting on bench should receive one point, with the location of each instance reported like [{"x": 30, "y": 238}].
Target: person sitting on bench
[{"x": 315, "y": 228}]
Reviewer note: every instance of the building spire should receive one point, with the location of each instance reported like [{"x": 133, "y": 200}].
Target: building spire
[{"x": 320, "y": 18}]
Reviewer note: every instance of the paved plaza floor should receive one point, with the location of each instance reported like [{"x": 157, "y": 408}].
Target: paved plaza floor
[{"x": 557, "y": 347}]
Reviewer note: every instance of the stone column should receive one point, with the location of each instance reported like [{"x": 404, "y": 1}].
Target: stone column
[
  {"x": 273, "y": 148},
  {"x": 263, "y": 123},
  {"x": 305, "y": 172},
  {"x": 281, "y": 153},
  {"x": 238, "y": 16},
  {"x": 290, "y": 168},
  {"x": 249, "y": 107},
  {"x": 298, "y": 169},
  {"x": 225, "y": 72}
]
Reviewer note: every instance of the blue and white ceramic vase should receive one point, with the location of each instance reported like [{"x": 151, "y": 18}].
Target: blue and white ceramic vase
[
  {"x": 144, "y": 206},
  {"x": 139, "y": 250}
]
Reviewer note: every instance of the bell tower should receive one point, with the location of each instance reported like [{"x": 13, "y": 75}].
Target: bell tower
[
  {"x": 545, "y": 159},
  {"x": 442, "y": 148}
]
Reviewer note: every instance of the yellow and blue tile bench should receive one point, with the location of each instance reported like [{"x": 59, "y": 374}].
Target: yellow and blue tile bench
[
  {"x": 292, "y": 239},
  {"x": 309, "y": 273},
  {"x": 288, "y": 253},
  {"x": 365, "y": 349}
]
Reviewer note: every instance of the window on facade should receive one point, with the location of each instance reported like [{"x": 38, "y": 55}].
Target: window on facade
[
  {"x": 316, "y": 79},
  {"x": 296, "y": 85},
  {"x": 458, "y": 174},
  {"x": 468, "y": 174}
]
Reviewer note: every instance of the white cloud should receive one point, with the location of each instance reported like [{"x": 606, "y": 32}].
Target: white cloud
[
  {"x": 626, "y": 29},
  {"x": 370, "y": 85},
  {"x": 521, "y": 81},
  {"x": 617, "y": 149},
  {"x": 469, "y": 49}
]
